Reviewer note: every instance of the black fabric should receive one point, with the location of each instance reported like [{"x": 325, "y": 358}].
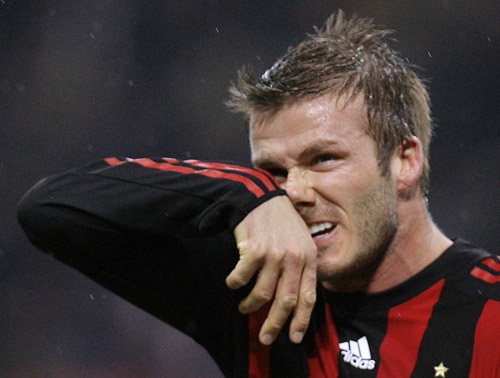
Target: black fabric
[{"x": 163, "y": 241}]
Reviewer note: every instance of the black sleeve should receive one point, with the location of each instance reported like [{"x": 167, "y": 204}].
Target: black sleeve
[{"x": 157, "y": 232}]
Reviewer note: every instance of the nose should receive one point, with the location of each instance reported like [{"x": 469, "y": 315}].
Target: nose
[{"x": 299, "y": 188}]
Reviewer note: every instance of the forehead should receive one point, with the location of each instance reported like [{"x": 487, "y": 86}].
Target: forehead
[{"x": 321, "y": 121}]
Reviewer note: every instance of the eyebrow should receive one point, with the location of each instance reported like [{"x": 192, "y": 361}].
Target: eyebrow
[
  {"x": 317, "y": 148},
  {"x": 267, "y": 161}
]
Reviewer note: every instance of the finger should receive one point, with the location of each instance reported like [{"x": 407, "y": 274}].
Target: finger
[
  {"x": 305, "y": 305},
  {"x": 287, "y": 293},
  {"x": 263, "y": 291},
  {"x": 243, "y": 271}
]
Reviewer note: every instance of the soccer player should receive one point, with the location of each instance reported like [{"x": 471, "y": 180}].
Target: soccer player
[{"x": 321, "y": 260}]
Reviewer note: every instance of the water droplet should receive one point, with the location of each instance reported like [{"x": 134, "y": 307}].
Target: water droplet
[
  {"x": 91, "y": 296},
  {"x": 429, "y": 53},
  {"x": 217, "y": 29}
]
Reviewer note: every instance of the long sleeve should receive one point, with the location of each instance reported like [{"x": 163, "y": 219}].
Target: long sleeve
[
  {"x": 153, "y": 196},
  {"x": 157, "y": 232}
]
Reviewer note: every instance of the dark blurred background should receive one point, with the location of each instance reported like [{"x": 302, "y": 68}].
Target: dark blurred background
[{"x": 82, "y": 80}]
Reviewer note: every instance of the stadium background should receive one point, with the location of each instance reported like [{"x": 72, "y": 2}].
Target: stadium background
[{"x": 82, "y": 80}]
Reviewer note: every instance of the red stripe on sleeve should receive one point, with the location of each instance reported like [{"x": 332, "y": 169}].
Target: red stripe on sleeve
[
  {"x": 259, "y": 174},
  {"x": 405, "y": 330},
  {"x": 249, "y": 184},
  {"x": 486, "y": 352},
  {"x": 484, "y": 275},
  {"x": 113, "y": 161},
  {"x": 323, "y": 362},
  {"x": 258, "y": 354},
  {"x": 492, "y": 264}
]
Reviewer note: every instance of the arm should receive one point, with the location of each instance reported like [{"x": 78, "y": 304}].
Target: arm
[
  {"x": 90, "y": 215},
  {"x": 149, "y": 196}
]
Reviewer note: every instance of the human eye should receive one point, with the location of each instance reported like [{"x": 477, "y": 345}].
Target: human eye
[{"x": 325, "y": 160}]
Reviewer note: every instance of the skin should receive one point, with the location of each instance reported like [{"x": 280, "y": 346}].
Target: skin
[{"x": 378, "y": 231}]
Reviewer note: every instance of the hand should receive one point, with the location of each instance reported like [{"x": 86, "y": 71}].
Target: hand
[{"x": 274, "y": 240}]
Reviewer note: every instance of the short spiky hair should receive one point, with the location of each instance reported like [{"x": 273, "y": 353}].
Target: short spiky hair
[{"x": 346, "y": 56}]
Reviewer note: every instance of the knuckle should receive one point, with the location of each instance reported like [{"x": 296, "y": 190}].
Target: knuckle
[
  {"x": 262, "y": 296},
  {"x": 289, "y": 302},
  {"x": 301, "y": 324},
  {"x": 273, "y": 325},
  {"x": 296, "y": 256},
  {"x": 275, "y": 255},
  {"x": 309, "y": 298}
]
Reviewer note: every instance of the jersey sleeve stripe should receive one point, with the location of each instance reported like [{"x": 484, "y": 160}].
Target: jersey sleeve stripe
[
  {"x": 484, "y": 275},
  {"x": 113, "y": 161},
  {"x": 492, "y": 264},
  {"x": 249, "y": 184},
  {"x": 258, "y": 173}
]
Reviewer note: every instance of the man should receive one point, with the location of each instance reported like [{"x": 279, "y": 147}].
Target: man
[{"x": 342, "y": 126}]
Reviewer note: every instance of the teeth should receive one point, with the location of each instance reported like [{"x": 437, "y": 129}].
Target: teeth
[{"x": 319, "y": 227}]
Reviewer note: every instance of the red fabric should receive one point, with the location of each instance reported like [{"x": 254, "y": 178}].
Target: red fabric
[
  {"x": 492, "y": 264},
  {"x": 258, "y": 354},
  {"x": 259, "y": 174},
  {"x": 486, "y": 352},
  {"x": 249, "y": 184},
  {"x": 405, "y": 330},
  {"x": 484, "y": 275},
  {"x": 113, "y": 161},
  {"x": 323, "y": 361}
]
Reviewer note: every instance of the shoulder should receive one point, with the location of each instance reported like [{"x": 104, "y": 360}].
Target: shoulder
[{"x": 477, "y": 271}]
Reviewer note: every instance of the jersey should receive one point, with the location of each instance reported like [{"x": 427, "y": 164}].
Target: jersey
[{"x": 158, "y": 232}]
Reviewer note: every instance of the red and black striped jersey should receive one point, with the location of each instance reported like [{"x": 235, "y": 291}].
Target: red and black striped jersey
[
  {"x": 158, "y": 232},
  {"x": 444, "y": 321}
]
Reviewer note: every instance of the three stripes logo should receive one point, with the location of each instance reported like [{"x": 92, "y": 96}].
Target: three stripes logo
[{"x": 357, "y": 353}]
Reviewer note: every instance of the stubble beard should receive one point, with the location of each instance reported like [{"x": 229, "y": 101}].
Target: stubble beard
[{"x": 375, "y": 221}]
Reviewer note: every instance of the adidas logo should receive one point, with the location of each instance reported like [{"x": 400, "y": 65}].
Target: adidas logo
[{"x": 357, "y": 353}]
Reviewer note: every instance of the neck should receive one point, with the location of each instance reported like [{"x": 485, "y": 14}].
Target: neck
[{"x": 417, "y": 243}]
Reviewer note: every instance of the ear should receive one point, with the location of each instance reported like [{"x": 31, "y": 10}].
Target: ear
[{"x": 409, "y": 162}]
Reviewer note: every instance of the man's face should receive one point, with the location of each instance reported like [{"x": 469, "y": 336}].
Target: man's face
[{"x": 320, "y": 153}]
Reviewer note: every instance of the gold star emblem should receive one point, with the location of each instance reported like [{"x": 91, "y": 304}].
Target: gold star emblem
[{"x": 440, "y": 370}]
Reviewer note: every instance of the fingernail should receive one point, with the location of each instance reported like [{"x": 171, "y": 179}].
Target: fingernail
[
  {"x": 266, "y": 339},
  {"x": 297, "y": 337}
]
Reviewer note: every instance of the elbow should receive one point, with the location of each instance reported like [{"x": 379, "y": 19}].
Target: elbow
[{"x": 30, "y": 214}]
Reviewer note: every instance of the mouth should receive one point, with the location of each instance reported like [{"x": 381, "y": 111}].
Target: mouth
[{"x": 322, "y": 228}]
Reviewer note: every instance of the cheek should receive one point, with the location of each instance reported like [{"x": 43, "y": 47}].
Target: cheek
[{"x": 344, "y": 186}]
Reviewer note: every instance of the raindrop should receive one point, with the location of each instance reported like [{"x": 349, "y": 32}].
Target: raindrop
[
  {"x": 489, "y": 39},
  {"x": 92, "y": 35},
  {"x": 429, "y": 53},
  {"x": 130, "y": 83},
  {"x": 91, "y": 296},
  {"x": 217, "y": 29}
]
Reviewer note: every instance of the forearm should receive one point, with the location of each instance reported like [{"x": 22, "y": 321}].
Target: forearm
[{"x": 149, "y": 196}]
